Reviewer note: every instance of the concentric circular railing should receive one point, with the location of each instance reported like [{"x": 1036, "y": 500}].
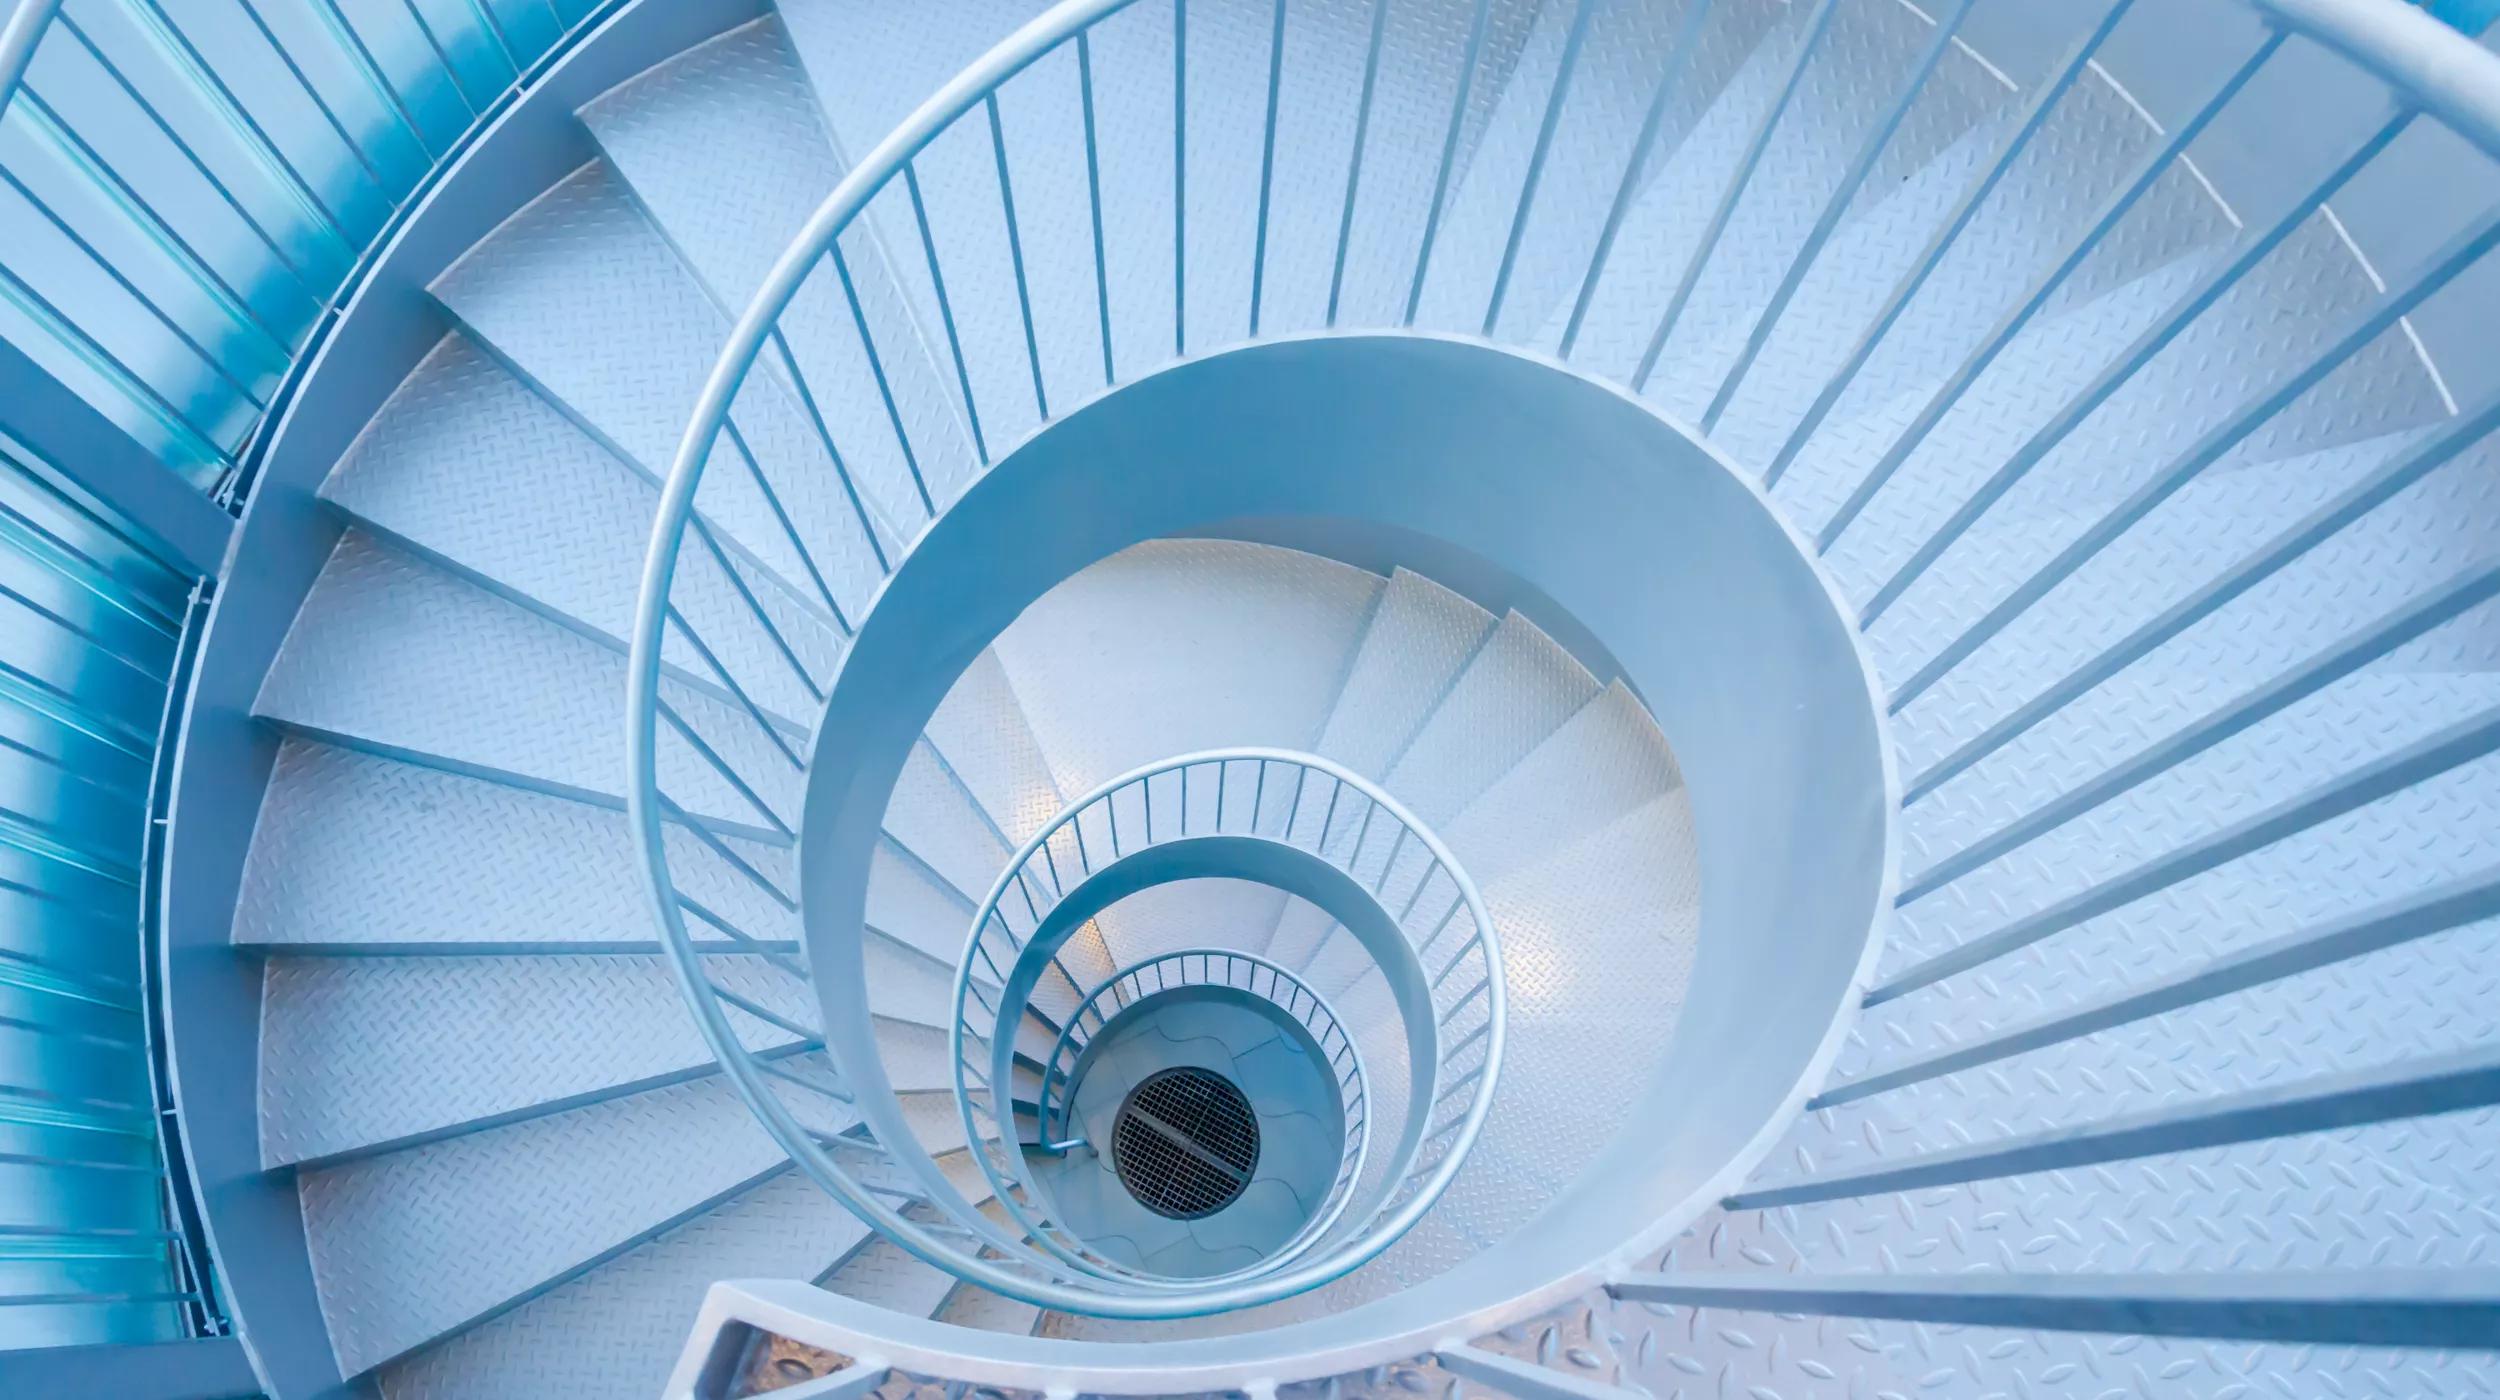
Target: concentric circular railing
[
  {"x": 1152, "y": 980},
  {"x": 2431, "y": 76},
  {"x": 1246, "y": 809}
]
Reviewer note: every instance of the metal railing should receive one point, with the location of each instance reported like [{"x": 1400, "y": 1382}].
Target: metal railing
[
  {"x": 1300, "y": 802},
  {"x": 191, "y": 199},
  {"x": 1150, "y": 980},
  {"x": 1039, "y": 361}
]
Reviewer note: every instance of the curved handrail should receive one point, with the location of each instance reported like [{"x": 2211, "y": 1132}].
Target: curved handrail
[
  {"x": 18, "y": 38},
  {"x": 2453, "y": 79},
  {"x": 1290, "y": 995}
]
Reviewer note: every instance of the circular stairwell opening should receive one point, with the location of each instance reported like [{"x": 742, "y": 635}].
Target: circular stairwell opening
[{"x": 1185, "y": 1143}]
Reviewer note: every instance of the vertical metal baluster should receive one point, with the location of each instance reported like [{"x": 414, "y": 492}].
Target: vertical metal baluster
[
  {"x": 1223, "y": 770},
  {"x": 1449, "y": 156},
  {"x": 1395, "y": 846},
  {"x": 1258, "y": 796},
  {"x": 2195, "y": 302},
  {"x": 191, "y": 157},
  {"x": 946, "y": 310},
  {"x": 266, "y": 151},
  {"x": 2147, "y": 174},
  {"x": 1687, "y": 38},
  {"x": 485, "y": 10},
  {"x": 251, "y": 12},
  {"x": 1301, "y": 775},
  {"x": 2035, "y": 116},
  {"x": 712, "y": 662},
  {"x": 1146, "y": 785},
  {"x": 1335, "y": 791},
  {"x": 145, "y": 395},
  {"x": 1354, "y": 162},
  {"x": 1817, "y": 25},
  {"x": 352, "y": 44},
  {"x": 1536, "y": 161},
  {"x": 442, "y": 57},
  {"x": 113, "y": 271},
  {"x": 2436, "y": 272},
  {"x": 1015, "y": 253},
  {"x": 1111, "y": 810},
  {"x": 48, "y": 122},
  {"x": 772, "y": 499},
  {"x": 1084, "y": 858},
  {"x": 1834, "y": 207},
  {"x": 876, "y": 370},
  {"x": 1058, "y": 887},
  {"x": 1180, "y": 177},
  {"x": 1267, "y": 161},
  {"x": 1093, "y": 198}
]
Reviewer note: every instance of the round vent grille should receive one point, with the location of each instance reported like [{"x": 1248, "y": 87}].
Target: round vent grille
[{"x": 1185, "y": 1143}]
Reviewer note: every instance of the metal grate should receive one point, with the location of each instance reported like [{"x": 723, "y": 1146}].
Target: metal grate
[{"x": 1185, "y": 1143}]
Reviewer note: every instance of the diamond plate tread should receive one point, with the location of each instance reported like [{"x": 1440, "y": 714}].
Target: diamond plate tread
[
  {"x": 1176, "y": 646},
  {"x": 979, "y": 730},
  {"x": 1518, "y": 687},
  {"x": 970, "y": 1306},
  {"x": 933, "y": 820},
  {"x": 2353, "y": 722},
  {"x": 398, "y": 655},
  {"x": 744, "y": 93},
  {"x": 1419, "y": 638},
  {"x": 2399, "y": 846},
  {"x": 2424, "y": 535},
  {"x": 467, "y": 465},
  {"x": 407, "y": 1247},
  {"x": 1604, "y": 761},
  {"x": 359, "y": 1053},
  {"x": 882, "y": 1273},
  {"x": 1625, "y": 49},
  {"x": 359, "y": 853},
  {"x": 639, "y": 1306},
  {"x": 582, "y": 298},
  {"x": 2399, "y": 1004},
  {"x": 912, "y": 904},
  {"x": 1844, "y": 91},
  {"x": 2296, "y": 300},
  {"x": 2038, "y": 371},
  {"x": 2084, "y": 150}
]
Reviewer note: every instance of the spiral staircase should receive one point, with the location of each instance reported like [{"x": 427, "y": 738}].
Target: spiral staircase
[{"x": 1776, "y": 697}]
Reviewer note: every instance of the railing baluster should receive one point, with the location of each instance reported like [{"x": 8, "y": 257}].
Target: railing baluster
[
  {"x": 781, "y": 516},
  {"x": 1015, "y": 254},
  {"x": 2458, "y": 744},
  {"x": 737, "y": 692},
  {"x": 2196, "y": 302},
  {"x": 1449, "y": 156},
  {"x": 329, "y": 117},
  {"x": 2406, "y": 623},
  {"x": 1180, "y": 178},
  {"x": 199, "y": 166},
  {"x": 2448, "y": 906},
  {"x": 729, "y": 774},
  {"x": 265, "y": 151},
  {"x": 1354, "y": 159},
  {"x": 1817, "y": 24},
  {"x": 876, "y": 371},
  {"x": 946, "y": 310},
  {"x": 442, "y": 57},
  {"x": 1267, "y": 161},
  {"x": 1093, "y": 200},
  {"x": 1834, "y": 207},
  {"x": 353, "y": 45},
  {"x": 2406, "y": 468},
  {"x": 1670, "y": 78},
  {"x": 2460, "y": 253},
  {"x": 2148, "y": 172},
  {"x": 1569, "y": 64}
]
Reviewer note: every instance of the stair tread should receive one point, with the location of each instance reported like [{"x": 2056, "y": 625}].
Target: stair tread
[
  {"x": 639, "y": 1305},
  {"x": 979, "y": 731},
  {"x": 465, "y": 463},
  {"x": 360, "y": 1052},
  {"x": 397, "y": 654},
  {"x": 1418, "y": 640},
  {"x": 407, "y": 1247},
  {"x": 585, "y": 300},
  {"x": 665, "y": 133},
  {"x": 469, "y": 866}
]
